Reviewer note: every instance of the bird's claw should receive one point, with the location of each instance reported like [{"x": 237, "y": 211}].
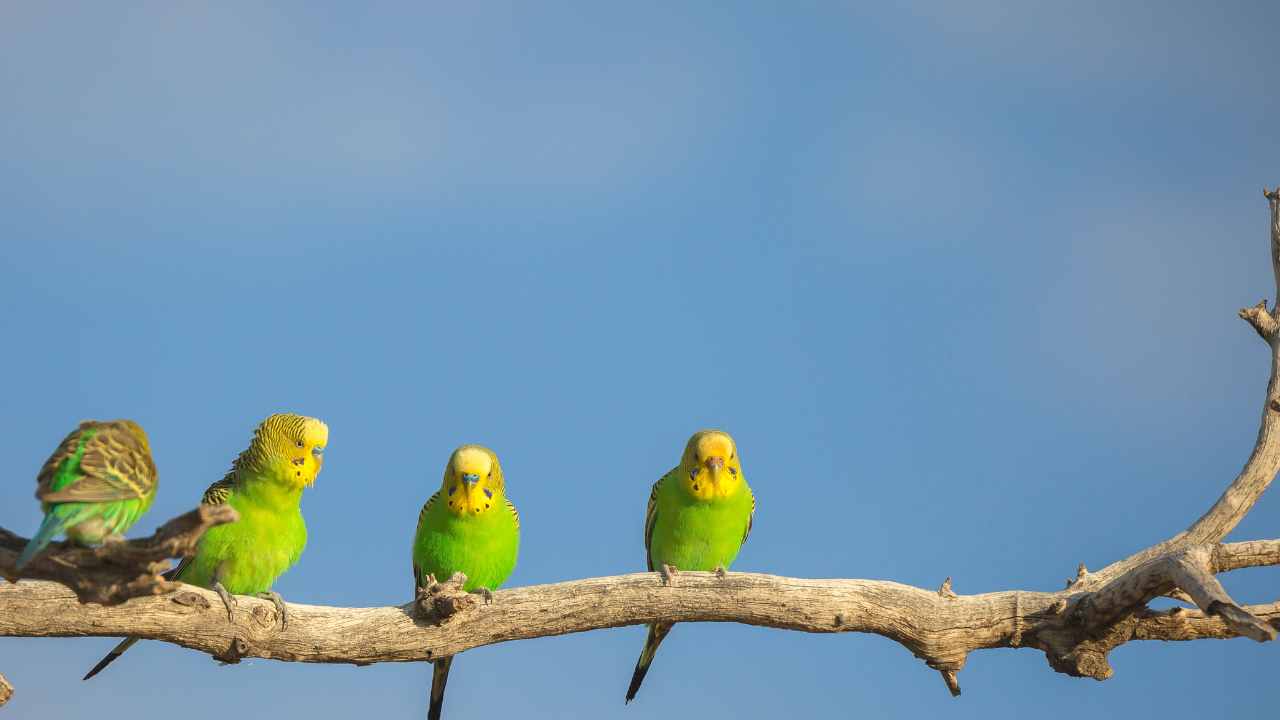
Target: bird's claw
[
  {"x": 282, "y": 610},
  {"x": 721, "y": 572},
  {"x": 668, "y": 572},
  {"x": 228, "y": 600},
  {"x": 485, "y": 593}
]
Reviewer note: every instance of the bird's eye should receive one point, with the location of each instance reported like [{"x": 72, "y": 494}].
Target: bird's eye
[
  {"x": 301, "y": 444},
  {"x": 733, "y": 471}
]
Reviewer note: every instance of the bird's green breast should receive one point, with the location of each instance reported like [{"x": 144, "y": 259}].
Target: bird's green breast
[
  {"x": 248, "y": 555},
  {"x": 483, "y": 547},
  {"x": 691, "y": 534}
]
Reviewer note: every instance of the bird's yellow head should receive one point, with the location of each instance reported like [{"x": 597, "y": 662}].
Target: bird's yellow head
[
  {"x": 711, "y": 468},
  {"x": 290, "y": 447},
  {"x": 473, "y": 482}
]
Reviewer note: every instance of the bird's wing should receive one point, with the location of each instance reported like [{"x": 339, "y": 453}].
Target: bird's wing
[
  {"x": 422, "y": 516},
  {"x": 750, "y": 518},
  {"x": 114, "y": 465},
  {"x": 651, "y": 519},
  {"x": 514, "y": 513},
  {"x": 216, "y": 494}
]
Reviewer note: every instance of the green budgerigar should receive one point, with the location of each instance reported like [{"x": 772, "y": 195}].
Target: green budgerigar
[
  {"x": 98, "y": 482},
  {"x": 467, "y": 526},
  {"x": 698, "y": 517},
  {"x": 265, "y": 486}
]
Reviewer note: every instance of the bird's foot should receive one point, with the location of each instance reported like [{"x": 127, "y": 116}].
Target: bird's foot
[
  {"x": 485, "y": 593},
  {"x": 721, "y": 572},
  {"x": 228, "y": 600},
  {"x": 112, "y": 539},
  {"x": 282, "y": 610},
  {"x": 669, "y": 573}
]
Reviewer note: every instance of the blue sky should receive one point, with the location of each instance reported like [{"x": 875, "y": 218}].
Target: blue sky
[{"x": 960, "y": 278}]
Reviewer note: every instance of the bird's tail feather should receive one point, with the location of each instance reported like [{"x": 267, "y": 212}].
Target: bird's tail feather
[
  {"x": 54, "y": 523},
  {"x": 116, "y": 652},
  {"x": 656, "y": 634},
  {"x": 439, "y": 677}
]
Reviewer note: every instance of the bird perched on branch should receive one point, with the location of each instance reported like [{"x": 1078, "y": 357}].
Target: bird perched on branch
[
  {"x": 265, "y": 486},
  {"x": 468, "y": 526},
  {"x": 699, "y": 515},
  {"x": 97, "y": 484}
]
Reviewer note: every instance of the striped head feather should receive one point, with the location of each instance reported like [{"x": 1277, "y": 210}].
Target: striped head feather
[{"x": 285, "y": 446}]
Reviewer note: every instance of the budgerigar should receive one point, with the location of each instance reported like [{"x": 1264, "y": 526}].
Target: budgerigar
[
  {"x": 265, "y": 487},
  {"x": 467, "y": 526},
  {"x": 698, "y": 517},
  {"x": 98, "y": 482}
]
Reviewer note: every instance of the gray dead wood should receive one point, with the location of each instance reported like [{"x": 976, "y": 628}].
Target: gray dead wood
[{"x": 1075, "y": 627}]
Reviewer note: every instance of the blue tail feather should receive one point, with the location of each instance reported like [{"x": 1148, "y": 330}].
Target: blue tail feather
[{"x": 54, "y": 523}]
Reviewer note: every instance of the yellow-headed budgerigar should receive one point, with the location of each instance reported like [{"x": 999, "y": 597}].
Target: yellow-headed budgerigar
[
  {"x": 698, "y": 517},
  {"x": 467, "y": 526},
  {"x": 98, "y": 482},
  {"x": 265, "y": 487}
]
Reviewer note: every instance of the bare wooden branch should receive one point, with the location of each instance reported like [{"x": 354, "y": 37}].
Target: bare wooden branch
[
  {"x": 6, "y": 690},
  {"x": 1181, "y": 624},
  {"x": 1075, "y": 627},
  {"x": 1264, "y": 461},
  {"x": 444, "y": 621},
  {"x": 115, "y": 571}
]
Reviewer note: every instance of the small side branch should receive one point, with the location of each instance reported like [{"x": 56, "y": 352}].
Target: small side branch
[
  {"x": 6, "y": 690},
  {"x": 1262, "y": 320},
  {"x": 1192, "y": 573},
  {"x": 114, "y": 572},
  {"x": 1185, "y": 573}
]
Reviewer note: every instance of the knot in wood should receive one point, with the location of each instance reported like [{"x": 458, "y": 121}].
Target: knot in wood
[
  {"x": 439, "y": 601},
  {"x": 263, "y": 616},
  {"x": 234, "y": 652},
  {"x": 190, "y": 599}
]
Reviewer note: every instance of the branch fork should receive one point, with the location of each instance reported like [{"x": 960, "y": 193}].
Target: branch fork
[{"x": 1076, "y": 627}]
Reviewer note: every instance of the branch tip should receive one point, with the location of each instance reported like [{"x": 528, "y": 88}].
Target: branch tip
[
  {"x": 6, "y": 690},
  {"x": 1263, "y": 322},
  {"x": 946, "y": 591},
  {"x": 953, "y": 682},
  {"x": 1242, "y": 621}
]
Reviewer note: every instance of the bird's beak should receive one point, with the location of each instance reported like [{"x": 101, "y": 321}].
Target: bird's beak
[
  {"x": 318, "y": 453},
  {"x": 715, "y": 469}
]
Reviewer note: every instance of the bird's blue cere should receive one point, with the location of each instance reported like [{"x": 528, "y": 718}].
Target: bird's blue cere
[{"x": 470, "y": 478}]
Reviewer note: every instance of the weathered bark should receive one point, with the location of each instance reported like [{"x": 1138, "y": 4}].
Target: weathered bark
[
  {"x": 940, "y": 629},
  {"x": 115, "y": 571},
  {"x": 1075, "y": 627}
]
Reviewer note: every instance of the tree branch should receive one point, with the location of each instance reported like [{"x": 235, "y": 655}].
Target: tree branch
[
  {"x": 1264, "y": 461},
  {"x": 937, "y": 628},
  {"x": 115, "y": 571},
  {"x": 6, "y": 691},
  {"x": 1075, "y": 627}
]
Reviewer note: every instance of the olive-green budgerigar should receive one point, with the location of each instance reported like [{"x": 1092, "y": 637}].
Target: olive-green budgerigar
[
  {"x": 467, "y": 526},
  {"x": 265, "y": 486},
  {"x": 698, "y": 517},
  {"x": 98, "y": 482}
]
